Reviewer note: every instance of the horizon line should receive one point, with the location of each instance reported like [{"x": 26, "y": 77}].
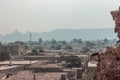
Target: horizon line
[{"x": 50, "y": 30}]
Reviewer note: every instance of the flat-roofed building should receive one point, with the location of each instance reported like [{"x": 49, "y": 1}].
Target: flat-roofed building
[
  {"x": 28, "y": 75},
  {"x": 16, "y": 66},
  {"x": 25, "y": 62},
  {"x": 43, "y": 67},
  {"x": 17, "y": 48}
]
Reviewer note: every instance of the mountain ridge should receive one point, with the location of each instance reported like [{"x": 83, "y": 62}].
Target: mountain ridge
[{"x": 61, "y": 34}]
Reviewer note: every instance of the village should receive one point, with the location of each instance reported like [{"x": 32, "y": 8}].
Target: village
[
  {"x": 61, "y": 60},
  {"x": 42, "y": 65}
]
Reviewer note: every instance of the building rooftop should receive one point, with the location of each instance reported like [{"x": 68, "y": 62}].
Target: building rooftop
[
  {"x": 46, "y": 65},
  {"x": 23, "y": 75},
  {"x": 17, "y": 62},
  {"x": 2, "y": 75},
  {"x": 7, "y": 67},
  {"x": 28, "y": 75},
  {"x": 49, "y": 76}
]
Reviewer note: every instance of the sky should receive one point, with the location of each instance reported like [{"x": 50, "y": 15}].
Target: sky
[{"x": 47, "y": 15}]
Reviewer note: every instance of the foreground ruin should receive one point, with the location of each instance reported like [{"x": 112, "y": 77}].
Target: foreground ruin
[{"x": 108, "y": 66}]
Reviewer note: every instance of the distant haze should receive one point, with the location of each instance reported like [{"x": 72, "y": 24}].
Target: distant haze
[
  {"x": 47, "y": 15},
  {"x": 61, "y": 34}
]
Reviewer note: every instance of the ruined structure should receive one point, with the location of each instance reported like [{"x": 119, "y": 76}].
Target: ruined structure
[
  {"x": 116, "y": 18},
  {"x": 108, "y": 66}
]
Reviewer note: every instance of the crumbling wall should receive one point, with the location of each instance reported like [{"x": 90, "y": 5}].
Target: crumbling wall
[
  {"x": 108, "y": 66},
  {"x": 116, "y": 18}
]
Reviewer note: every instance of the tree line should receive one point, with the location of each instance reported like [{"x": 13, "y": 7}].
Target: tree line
[{"x": 54, "y": 44}]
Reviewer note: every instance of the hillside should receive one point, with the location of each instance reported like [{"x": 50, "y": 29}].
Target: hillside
[{"x": 61, "y": 34}]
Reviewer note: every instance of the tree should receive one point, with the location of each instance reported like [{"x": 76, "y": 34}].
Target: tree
[
  {"x": 68, "y": 48},
  {"x": 63, "y": 43},
  {"x": 55, "y": 47},
  {"x": 40, "y": 41},
  {"x": 80, "y": 41},
  {"x": 90, "y": 44},
  {"x": 85, "y": 50},
  {"x": 52, "y": 47},
  {"x": 40, "y": 49},
  {"x": 74, "y": 61},
  {"x": 106, "y": 41},
  {"x": 62, "y": 57},
  {"x": 58, "y": 47},
  {"x": 34, "y": 52},
  {"x": 53, "y": 42},
  {"x": 4, "y": 56},
  {"x": 75, "y": 40}
]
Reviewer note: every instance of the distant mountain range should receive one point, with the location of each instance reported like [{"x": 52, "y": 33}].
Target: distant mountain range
[{"x": 61, "y": 34}]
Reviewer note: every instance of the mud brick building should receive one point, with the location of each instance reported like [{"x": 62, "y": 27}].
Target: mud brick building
[{"x": 17, "y": 48}]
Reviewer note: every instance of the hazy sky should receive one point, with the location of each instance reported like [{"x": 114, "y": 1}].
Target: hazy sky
[{"x": 46, "y": 15}]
